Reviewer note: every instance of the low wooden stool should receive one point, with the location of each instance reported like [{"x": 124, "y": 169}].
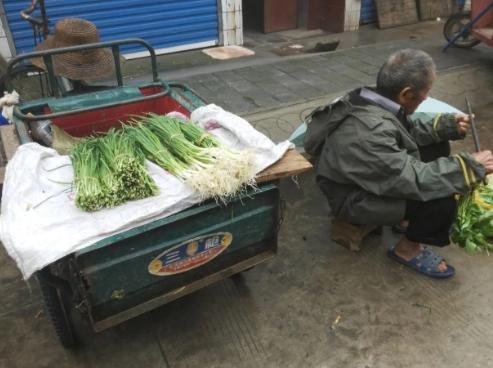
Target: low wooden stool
[{"x": 349, "y": 235}]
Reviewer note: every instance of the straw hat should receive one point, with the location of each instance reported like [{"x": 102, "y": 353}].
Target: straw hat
[{"x": 81, "y": 65}]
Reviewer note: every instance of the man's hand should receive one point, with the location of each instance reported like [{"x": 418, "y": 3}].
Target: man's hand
[
  {"x": 463, "y": 123},
  {"x": 486, "y": 159}
]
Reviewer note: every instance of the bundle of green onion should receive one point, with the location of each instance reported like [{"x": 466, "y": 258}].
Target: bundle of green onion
[
  {"x": 212, "y": 169},
  {"x": 198, "y": 136},
  {"x": 473, "y": 226},
  {"x": 237, "y": 168},
  {"x": 109, "y": 171},
  {"x": 168, "y": 131},
  {"x": 152, "y": 148}
]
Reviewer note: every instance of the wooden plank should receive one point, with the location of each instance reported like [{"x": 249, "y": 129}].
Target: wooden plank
[
  {"x": 10, "y": 141},
  {"x": 396, "y": 12},
  {"x": 432, "y": 9},
  {"x": 292, "y": 163}
]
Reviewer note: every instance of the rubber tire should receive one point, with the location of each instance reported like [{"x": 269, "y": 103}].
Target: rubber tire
[
  {"x": 56, "y": 312},
  {"x": 449, "y": 35}
]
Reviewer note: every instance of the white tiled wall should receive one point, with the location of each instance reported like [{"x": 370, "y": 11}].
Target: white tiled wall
[
  {"x": 352, "y": 15},
  {"x": 232, "y": 22},
  {"x": 4, "y": 45}
]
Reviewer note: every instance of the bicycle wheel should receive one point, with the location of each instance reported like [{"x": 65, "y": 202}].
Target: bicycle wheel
[{"x": 454, "y": 26}]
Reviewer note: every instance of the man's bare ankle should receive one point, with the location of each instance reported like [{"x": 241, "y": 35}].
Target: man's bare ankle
[{"x": 407, "y": 249}]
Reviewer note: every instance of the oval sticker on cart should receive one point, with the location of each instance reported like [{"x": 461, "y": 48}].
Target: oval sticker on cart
[{"x": 190, "y": 254}]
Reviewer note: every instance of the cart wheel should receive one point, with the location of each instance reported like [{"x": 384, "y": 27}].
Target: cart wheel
[
  {"x": 454, "y": 25},
  {"x": 57, "y": 313}
]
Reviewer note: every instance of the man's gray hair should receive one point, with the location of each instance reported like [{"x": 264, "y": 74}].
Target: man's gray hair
[{"x": 405, "y": 68}]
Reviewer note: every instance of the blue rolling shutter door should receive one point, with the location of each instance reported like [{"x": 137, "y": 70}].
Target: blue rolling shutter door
[
  {"x": 368, "y": 12},
  {"x": 162, "y": 23}
]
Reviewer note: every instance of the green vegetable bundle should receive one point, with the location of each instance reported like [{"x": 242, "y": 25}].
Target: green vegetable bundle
[
  {"x": 198, "y": 136},
  {"x": 86, "y": 160},
  {"x": 213, "y": 170},
  {"x": 109, "y": 171},
  {"x": 128, "y": 165},
  {"x": 473, "y": 226},
  {"x": 150, "y": 145}
]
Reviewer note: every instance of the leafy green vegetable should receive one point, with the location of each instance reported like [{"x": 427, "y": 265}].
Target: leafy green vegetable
[{"x": 473, "y": 226}]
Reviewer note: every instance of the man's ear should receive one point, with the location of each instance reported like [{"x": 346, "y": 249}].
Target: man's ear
[{"x": 404, "y": 96}]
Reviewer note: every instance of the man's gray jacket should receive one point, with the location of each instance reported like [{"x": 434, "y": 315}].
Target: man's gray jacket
[{"x": 369, "y": 163}]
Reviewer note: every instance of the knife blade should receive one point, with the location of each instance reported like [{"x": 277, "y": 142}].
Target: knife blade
[{"x": 474, "y": 131}]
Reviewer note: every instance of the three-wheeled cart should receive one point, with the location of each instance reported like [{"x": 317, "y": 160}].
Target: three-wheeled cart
[{"x": 130, "y": 273}]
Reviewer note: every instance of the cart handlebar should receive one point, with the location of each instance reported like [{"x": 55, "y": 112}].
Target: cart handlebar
[
  {"x": 25, "y": 13},
  {"x": 115, "y": 48},
  {"x": 37, "y": 21},
  {"x": 40, "y": 22}
]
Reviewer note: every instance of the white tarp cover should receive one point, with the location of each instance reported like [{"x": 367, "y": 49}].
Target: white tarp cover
[{"x": 41, "y": 224}]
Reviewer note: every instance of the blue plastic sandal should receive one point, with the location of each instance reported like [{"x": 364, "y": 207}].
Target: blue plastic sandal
[{"x": 425, "y": 262}]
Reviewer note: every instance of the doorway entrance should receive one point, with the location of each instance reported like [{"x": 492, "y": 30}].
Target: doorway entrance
[{"x": 270, "y": 15}]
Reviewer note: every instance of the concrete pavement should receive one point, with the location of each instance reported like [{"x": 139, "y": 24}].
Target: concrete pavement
[
  {"x": 300, "y": 79},
  {"x": 275, "y": 93}
]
